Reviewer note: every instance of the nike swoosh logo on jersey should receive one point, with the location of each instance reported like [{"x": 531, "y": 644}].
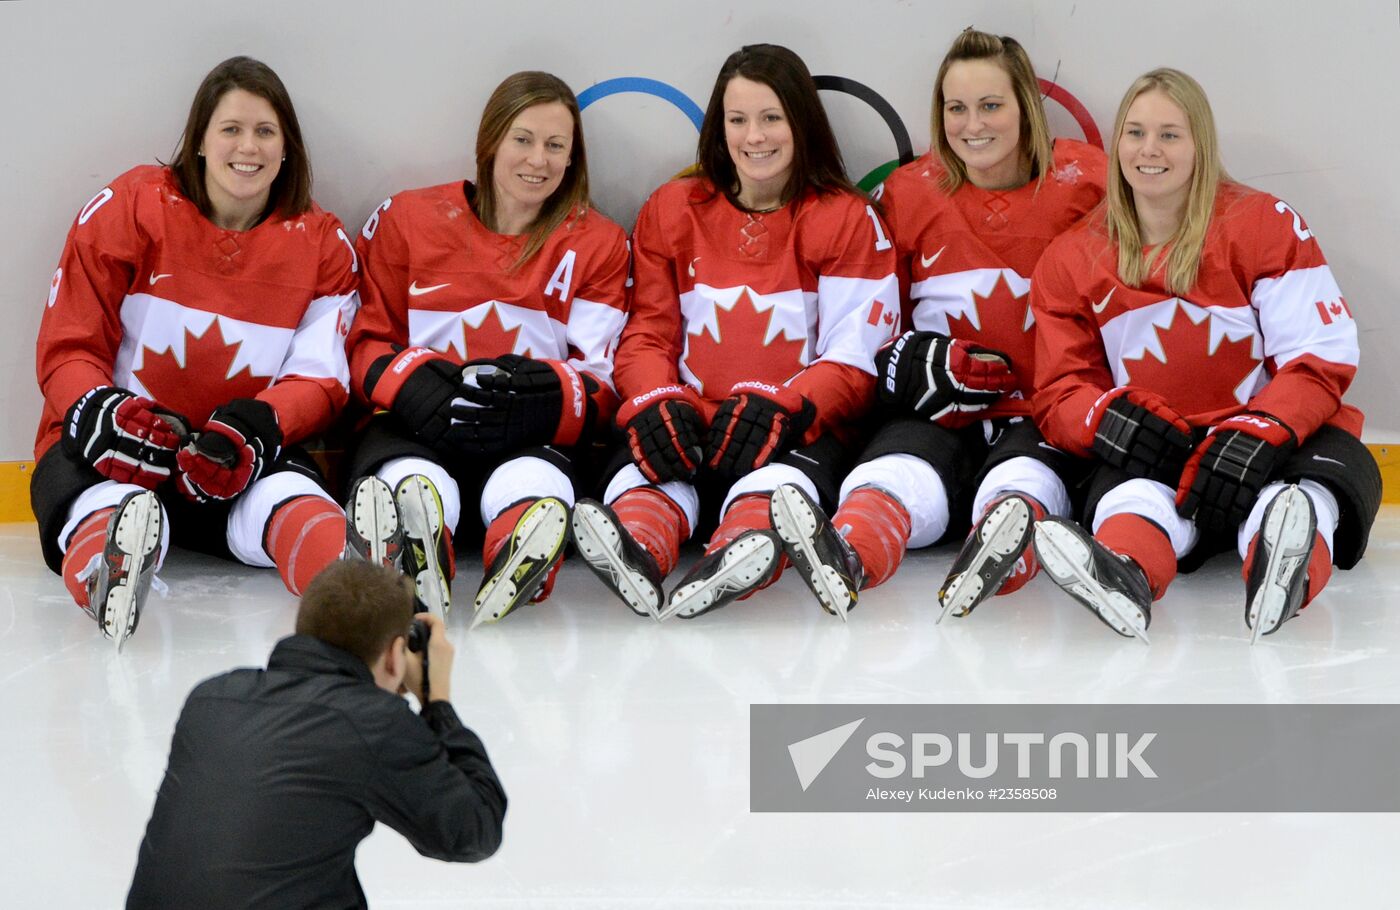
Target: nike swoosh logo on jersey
[
  {"x": 928, "y": 261},
  {"x": 155, "y": 277},
  {"x": 415, "y": 291},
  {"x": 1103, "y": 304},
  {"x": 1322, "y": 458},
  {"x": 1046, "y": 445},
  {"x": 692, "y": 266}
]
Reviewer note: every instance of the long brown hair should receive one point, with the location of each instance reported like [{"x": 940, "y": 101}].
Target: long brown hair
[
  {"x": 1184, "y": 259},
  {"x": 1006, "y": 52},
  {"x": 571, "y": 199},
  {"x": 291, "y": 189},
  {"x": 816, "y": 158}
]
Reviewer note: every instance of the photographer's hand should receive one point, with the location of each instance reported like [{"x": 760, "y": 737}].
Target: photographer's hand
[{"x": 440, "y": 653}]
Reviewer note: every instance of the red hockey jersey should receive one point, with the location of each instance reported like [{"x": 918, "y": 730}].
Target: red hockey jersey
[
  {"x": 1265, "y": 328},
  {"x": 965, "y": 260},
  {"x": 803, "y": 296},
  {"x": 436, "y": 277},
  {"x": 152, "y": 296}
]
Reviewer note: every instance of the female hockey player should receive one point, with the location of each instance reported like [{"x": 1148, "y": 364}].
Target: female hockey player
[
  {"x": 518, "y": 275},
  {"x": 763, "y": 287},
  {"x": 194, "y": 333},
  {"x": 970, "y": 220},
  {"x": 1195, "y": 342}
]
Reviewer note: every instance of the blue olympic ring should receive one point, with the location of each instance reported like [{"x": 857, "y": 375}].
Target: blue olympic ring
[{"x": 645, "y": 87}]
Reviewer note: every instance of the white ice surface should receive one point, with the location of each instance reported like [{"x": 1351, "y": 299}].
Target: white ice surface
[{"x": 623, "y": 745}]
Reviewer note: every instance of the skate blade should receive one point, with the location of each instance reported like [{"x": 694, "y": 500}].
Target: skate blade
[
  {"x": 796, "y": 526},
  {"x": 138, "y": 537},
  {"x": 1008, "y": 524},
  {"x": 421, "y": 512},
  {"x": 1056, "y": 548},
  {"x": 1291, "y": 526},
  {"x": 598, "y": 542},
  {"x": 539, "y": 536},
  {"x": 737, "y": 568},
  {"x": 951, "y": 596}
]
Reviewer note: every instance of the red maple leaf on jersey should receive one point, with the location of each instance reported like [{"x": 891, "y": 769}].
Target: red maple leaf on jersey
[
  {"x": 738, "y": 352},
  {"x": 204, "y": 382},
  {"x": 491, "y": 338},
  {"x": 1003, "y": 316},
  {"x": 1193, "y": 378}
]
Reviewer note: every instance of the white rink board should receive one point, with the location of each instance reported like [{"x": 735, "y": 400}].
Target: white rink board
[{"x": 389, "y": 95}]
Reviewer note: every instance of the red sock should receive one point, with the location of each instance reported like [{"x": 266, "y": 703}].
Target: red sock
[
  {"x": 655, "y": 522},
  {"x": 876, "y": 526},
  {"x": 1027, "y": 565},
  {"x": 87, "y": 541},
  {"x": 1145, "y": 544},
  {"x": 499, "y": 531},
  {"x": 746, "y": 513},
  {"x": 304, "y": 535},
  {"x": 1319, "y": 567}
]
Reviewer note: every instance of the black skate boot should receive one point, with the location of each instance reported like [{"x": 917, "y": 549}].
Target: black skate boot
[
  {"x": 425, "y": 551},
  {"x": 743, "y": 565},
  {"x": 373, "y": 529},
  {"x": 616, "y": 558},
  {"x": 988, "y": 556},
  {"x": 823, "y": 558},
  {"x": 118, "y": 587},
  {"x": 1277, "y": 582},
  {"x": 1112, "y": 586},
  {"x": 521, "y": 565}
]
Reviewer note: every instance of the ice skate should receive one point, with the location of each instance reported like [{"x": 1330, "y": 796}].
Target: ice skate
[
  {"x": 1108, "y": 584},
  {"x": 119, "y": 584},
  {"x": 616, "y": 558},
  {"x": 823, "y": 558},
  {"x": 988, "y": 556},
  {"x": 521, "y": 566},
  {"x": 1278, "y": 573},
  {"x": 373, "y": 529},
  {"x": 425, "y": 551},
  {"x": 743, "y": 565}
]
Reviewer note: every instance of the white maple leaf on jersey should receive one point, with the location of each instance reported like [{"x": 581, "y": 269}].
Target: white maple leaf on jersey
[
  {"x": 1137, "y": 333},
  {"x": 157, "y": 325},
  {"x": 950, "y": 296}
]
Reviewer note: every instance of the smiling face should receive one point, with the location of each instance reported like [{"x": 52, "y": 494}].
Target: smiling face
[
  {"x": 242, "y": 149},
  {"x": 759, "y": 137},
  {"x": 530, "y": 163},
  {"x": 982, "y": 123},
  {"x": 1157, "y": 152}
]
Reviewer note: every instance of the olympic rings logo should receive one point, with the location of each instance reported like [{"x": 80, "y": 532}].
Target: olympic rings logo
[{"x": 904, "y": 150}]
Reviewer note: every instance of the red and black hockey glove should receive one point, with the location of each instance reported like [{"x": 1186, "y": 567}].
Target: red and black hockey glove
[
  {"x": 511, "y": 402},
  {"x": 126, "y": 438},
  {"x": 757, "y": 422},
  {"x": 938, "y": 377},
  {"x": 664, "y": 432},
  {"x": 235, "y": 446},
  {"x": 417, "y": 386},
  {"x": 1224, "y": 475},
  {"x": 1136, "y": 430}
]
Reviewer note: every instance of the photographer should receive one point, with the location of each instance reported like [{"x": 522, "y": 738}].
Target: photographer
[{"x": 276, "y": 775}]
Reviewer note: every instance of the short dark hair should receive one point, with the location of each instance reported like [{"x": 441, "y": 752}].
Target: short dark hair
[
  {"x": 357, "y": 606},
  {"x": 291, "y": 190},
  {"x": 816, "y": 158}
]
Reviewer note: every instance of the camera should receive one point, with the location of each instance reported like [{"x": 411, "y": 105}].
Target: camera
[{"x": 418, "y": 637}]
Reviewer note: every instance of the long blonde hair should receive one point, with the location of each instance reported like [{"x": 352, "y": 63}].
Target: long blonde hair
[
  {"x": 1183, "y": 260},
  {"x": 515, "y": 94},
  {"x": 1006, "y": 52}
]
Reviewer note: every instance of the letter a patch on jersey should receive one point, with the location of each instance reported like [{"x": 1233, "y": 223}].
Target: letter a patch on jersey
[{"x": 562, "y": 278}]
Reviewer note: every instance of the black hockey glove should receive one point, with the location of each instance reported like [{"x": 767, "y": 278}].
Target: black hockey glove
[
  {"x": 511, "y": 402},
  {"x": 1137, "y": 430},
  {"x": 664, "y": 432},
  {"x": 1224, "y": 475},
  {"x": 235, "y": 446},
  {"x": 126, "y": 438},
  {"x": 417, "y": 386},
  {"x": 757, "y": 422},
  {"x": 938, "y": 377}
]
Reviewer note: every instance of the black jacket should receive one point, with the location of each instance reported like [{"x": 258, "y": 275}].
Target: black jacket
[{"x": 276, "y": 775}]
